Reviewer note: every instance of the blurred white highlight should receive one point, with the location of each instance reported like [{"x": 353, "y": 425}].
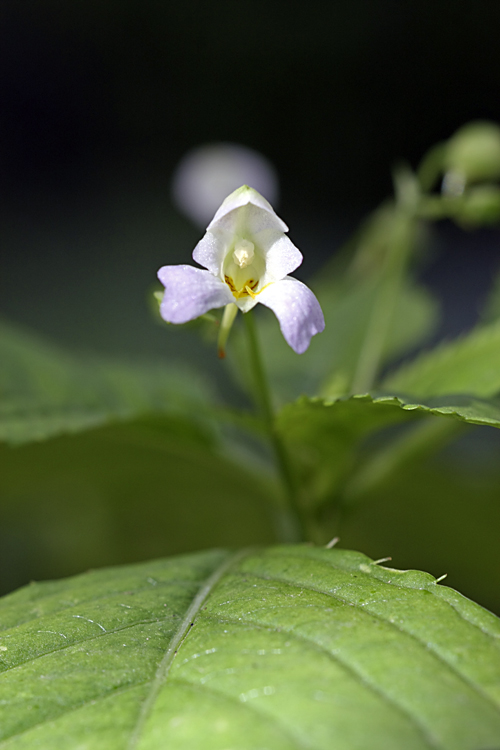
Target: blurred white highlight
[{"x": 208, "y": 174}]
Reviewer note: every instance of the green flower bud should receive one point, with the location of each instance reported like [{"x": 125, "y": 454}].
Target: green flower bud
[
  {"x": 472, "y": 155},
  {"x": 479, "y": 206}
]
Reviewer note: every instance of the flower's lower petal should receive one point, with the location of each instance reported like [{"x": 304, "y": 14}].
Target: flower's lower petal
[
  {"x": 190, "y": 292},
  {"x": 297, "y": 309},
  {"x": 245, "y": 304}
]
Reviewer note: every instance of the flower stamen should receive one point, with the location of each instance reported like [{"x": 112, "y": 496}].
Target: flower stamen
[
  {"x": 248, "y": 290},
  {"x": 243, "y": 253}
]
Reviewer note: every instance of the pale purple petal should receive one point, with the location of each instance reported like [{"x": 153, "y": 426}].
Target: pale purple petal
[
  {"x": 297, "y": 309},
  {"x": 190, "y": 292},
  {"x": 247, "y": 196}
]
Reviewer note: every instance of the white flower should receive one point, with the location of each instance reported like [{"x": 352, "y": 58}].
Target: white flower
[{"x": 247, "y": 256}]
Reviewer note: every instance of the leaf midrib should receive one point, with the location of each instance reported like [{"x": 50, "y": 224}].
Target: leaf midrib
[{"x": 183, "y": 630}]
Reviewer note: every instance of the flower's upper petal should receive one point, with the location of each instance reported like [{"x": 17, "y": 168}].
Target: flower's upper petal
[
  {"x": 297, "y": 309},
  {"x": 260, "y": 212},
  {"x": 281, "y": 255},
  {"x": 190, "y": 292}
]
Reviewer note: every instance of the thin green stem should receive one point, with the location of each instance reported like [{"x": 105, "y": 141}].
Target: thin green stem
[
  {"x": 291, "y": 524},
  {"x": 225, "y": 327}
]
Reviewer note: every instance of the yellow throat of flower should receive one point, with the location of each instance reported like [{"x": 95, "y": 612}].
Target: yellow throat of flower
[{"x": 240, "y": 282}]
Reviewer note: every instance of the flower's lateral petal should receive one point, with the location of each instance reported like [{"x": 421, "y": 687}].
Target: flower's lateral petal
[
  {"x": 248, "y": 196},
  {"x": 297, "y": 309},
  {"x": 282, "y": 257},
  {"x": 190, "y": 292},
  {"x": 210, "y": 251}
]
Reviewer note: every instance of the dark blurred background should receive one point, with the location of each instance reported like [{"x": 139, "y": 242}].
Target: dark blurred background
[{"x": 100, "y": 99}]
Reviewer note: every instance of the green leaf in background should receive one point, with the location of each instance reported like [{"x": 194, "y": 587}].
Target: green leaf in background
[
  {"x": 469, "y": 365},
  {"x": 122, "y": 493},
  {"x": 134, "y": 455},
  {"x": 326, "y": 438},
  {"x": 290, "y": 647},
  {"x": 45, "y": 392},
  {"x": 323, "y": 435}
]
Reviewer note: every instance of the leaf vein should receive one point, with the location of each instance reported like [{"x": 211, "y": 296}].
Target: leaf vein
[
  {"x": 66, "y": 646},
  {"x": 431, "y": 741},
  {"x": 91, "y": 600},
  {"x": 64, "y": 712},
  {"x": 203, "y": 688},
  {"x": 491, "y": 636},
  {"x": 463, "y": 677}
]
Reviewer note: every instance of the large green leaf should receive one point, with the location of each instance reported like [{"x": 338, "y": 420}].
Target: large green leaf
[
  {"x": 470, "y": 365},
  {"x": 290, "y": 647},
  {"x": 120, "y": 493},
  {"x": 45, "y": 392}
]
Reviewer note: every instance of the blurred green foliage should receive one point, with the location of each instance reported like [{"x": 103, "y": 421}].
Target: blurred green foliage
[{"x": 109, "y": 461}]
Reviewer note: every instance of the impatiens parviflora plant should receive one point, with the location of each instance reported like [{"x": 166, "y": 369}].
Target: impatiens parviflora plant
[
  {"x": 276, "y": 647},
  {"x": 247, "y": 257}
]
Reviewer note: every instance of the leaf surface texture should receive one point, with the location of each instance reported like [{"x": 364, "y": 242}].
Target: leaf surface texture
[{"x": 284, "y": 648}]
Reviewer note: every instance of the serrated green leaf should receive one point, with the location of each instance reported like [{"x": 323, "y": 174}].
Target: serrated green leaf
[
  {"x": 322, "y": 437},
  {"x": 45, "y": 392},
  {"x": 325, "y": 436},
  {"x": 469, "y": 365},
  {"x": 290, "y": 647}
]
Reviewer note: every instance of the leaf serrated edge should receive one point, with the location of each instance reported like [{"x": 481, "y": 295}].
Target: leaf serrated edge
[{"x": 405, "y": 403}]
